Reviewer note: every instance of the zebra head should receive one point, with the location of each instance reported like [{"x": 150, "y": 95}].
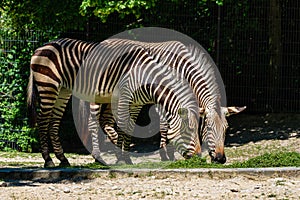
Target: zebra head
[
  {"x": 213, "y": 129},
  {"x": 189, "y": 133}
]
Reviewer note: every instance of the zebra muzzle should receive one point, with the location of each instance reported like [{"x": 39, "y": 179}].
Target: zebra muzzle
[{"x": 217, "y": 157}]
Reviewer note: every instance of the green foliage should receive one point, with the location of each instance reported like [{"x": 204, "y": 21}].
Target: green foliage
[
  {"x": 103, "y": 9},
  {"x": 14, "y": 65},
  {"x": 47, "y": 15}
]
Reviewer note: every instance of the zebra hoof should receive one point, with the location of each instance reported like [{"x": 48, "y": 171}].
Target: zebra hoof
[
  {"x": 100, "y": 161},
  {"x": 64, "y": 163},
  {"x": 49, "y": 164},
  {"x": 163, "y": 156},
  {"x": 164, "y": 159},
  {"x": 128, "y": 161},
  {"x": 124, "y": 162},
  {"x": 172, "y": 159},
  {"x": 120, "y": 162}
]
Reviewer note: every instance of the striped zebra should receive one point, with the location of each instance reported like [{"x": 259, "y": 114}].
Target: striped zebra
[
  {"x": 53, "y": 69},
  {"x": 175, "y": 102},
  {"x": 62, "y": 87},
  {"x": 195, "y": 66}
]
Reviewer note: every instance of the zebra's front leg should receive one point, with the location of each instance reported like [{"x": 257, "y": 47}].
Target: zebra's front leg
[
  {"x": 163, "y": 141},
  {"x": 166, "y": 151},
  {"x": 125, "y": 131},
  {"x": 96, "y": 132},
  {"x": 122, "y": 149}
]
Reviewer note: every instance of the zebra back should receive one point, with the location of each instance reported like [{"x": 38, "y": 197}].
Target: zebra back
[{"x": 54, "y": 65}]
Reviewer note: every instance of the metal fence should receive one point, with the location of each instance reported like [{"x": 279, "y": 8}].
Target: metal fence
[{"x": 256, "y": 47}]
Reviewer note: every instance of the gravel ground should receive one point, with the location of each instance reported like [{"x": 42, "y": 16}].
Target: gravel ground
[
  {"x": 246, "y": 139},
  {"x": 152, "y": 187}
]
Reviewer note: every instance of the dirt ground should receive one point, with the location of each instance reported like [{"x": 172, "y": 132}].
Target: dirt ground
[{"x": 248, "y": 136}]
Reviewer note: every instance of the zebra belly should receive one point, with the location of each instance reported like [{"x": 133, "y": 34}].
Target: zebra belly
[{"x": 95, "y": 98}]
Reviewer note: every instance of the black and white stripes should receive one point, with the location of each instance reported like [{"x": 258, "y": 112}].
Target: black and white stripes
[
  {"x": 53, "y": 69},
  {"x": 92, "y": 71}
]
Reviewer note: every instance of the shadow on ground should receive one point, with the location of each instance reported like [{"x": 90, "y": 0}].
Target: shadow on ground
[{"x": 245, "y": 128}]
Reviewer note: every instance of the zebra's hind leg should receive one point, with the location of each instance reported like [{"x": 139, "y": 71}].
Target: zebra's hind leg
[
  {"x": 57, "y": 113},
  {"x": 43, "y": 122}
]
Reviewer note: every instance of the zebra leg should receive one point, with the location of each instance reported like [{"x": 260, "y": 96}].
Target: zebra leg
[
  {"x": 107, "y": 122},
  {"x": 43, "y": 124},
  {"x": 166, "y": 151},
  {"x": 117, "y": 137},
  {"x": 96, "y": 132},
  {"x": 47, "y": 101},
  {"x": 124, "y": 139},
  {"x": 171, "y": 152},
  {"x": 119, "y": 146},
  {"x": 57, "y": 114},
  {"x": 163, "y": 141},
  {"x": 122, "y": 150}
]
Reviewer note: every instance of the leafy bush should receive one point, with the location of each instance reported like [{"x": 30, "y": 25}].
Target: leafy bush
[{"x": 14, "y": 65}]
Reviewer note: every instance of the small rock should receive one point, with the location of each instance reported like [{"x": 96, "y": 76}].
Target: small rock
[
  {"x": 67, "y": 190},
  {"x": 52, "y": 188},
  {"x": 169, "y": 191},
  {"x": 257, "y": 187},
  {"x": 234, "y": 190},
  {"x": 115, "y": 188},
  {"x": 294, "y": 134}
]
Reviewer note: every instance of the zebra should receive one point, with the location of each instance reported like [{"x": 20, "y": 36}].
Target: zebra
[
  {"x": 174, "y": 100},
  {"x": 196, "y": 66},
  {"x": 53, "y": 69},
  {"x": 64, "y": 94}
]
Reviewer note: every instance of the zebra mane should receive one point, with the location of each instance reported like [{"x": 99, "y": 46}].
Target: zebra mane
[{"x": 202, "y": 61}]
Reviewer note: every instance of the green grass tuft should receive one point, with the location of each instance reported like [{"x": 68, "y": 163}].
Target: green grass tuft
[
  {"x": 93, "y": 165},
  {"x": 278, "y": 159},
  {"x": 194, "y": 162}
]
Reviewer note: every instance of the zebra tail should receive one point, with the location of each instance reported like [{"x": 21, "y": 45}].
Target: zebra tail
[{"x": 31, "y": 101}]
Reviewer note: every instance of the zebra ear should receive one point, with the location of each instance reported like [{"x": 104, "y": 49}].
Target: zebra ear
[
  {"x": 233, "y": 110},
  {"x": 183, "y": 112}
]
